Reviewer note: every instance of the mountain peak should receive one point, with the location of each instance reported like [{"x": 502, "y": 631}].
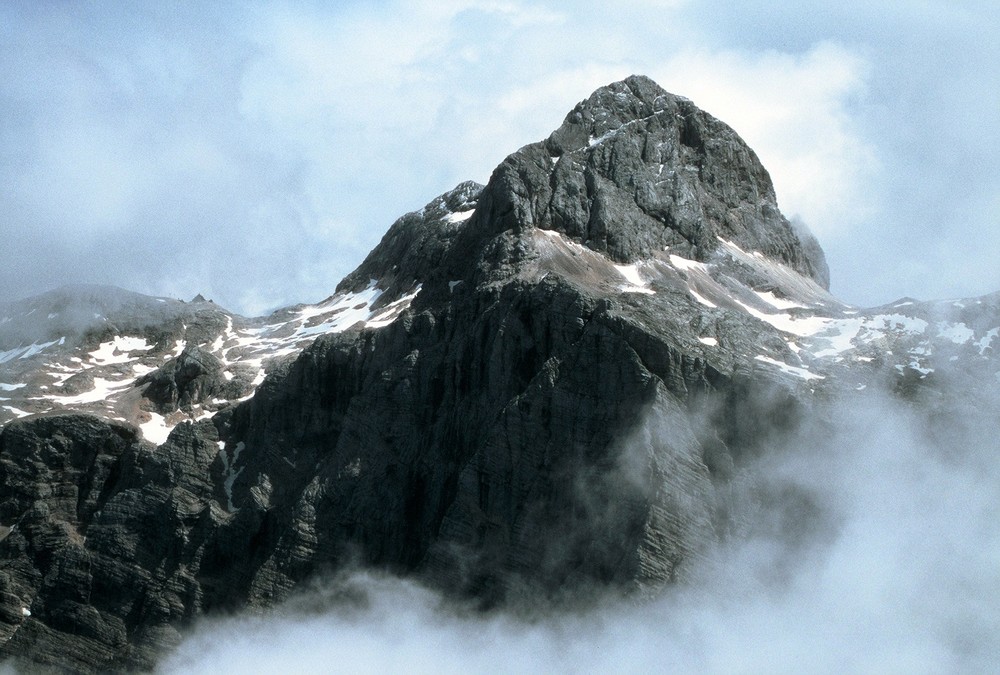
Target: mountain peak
[
  {"x": 634, "y": 170},
  {"x": 633, "y": 173},
  {"x": 609, "y": 109}
]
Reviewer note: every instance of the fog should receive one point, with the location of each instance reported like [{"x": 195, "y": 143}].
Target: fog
[{"x": 873, "y": 546}]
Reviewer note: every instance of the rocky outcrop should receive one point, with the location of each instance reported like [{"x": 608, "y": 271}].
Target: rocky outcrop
[
  {"x": 103, "y": 539},
  {"x": 193, "y": 377},
  {"x": 634, "y": 170}
]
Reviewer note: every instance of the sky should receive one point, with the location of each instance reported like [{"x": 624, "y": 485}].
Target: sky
[{"x": 255, "y": 152}]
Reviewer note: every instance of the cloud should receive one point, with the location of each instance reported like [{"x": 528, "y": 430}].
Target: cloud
[
  {"x": 792, "y": 109},
  {"x": 927, "y": 113},
  {"x": 872, "y": 548},
  {"x": 256, "y": 154}
]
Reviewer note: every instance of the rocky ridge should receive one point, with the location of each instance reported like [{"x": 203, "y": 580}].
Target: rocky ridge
[{"x": 530, "y": 392}]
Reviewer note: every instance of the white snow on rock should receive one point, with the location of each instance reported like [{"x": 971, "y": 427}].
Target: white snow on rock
[
  {"x": 826, "y": 337},
  {"x": 710, "y": 341},
  {"x": 636, "y": 284},
  {"x": 687, "y": 265},
  {"x": 784, "y": 276},
  {"x": 460, "y": 216},
  {"x": 16, "y": 411},
  {"x": 139, "y": 369},
  {"x": 778, "y": 303},
  {"x": 958, "y": 333},
  {"x": 26, "y": 352},
  {"x": 802, "y": 326},
  {"x": 791, "y": 370},
  {"x": 118, "y": 350},
  {"x": 11, "y": 387},
  {"x": 103, "y": 389},
  {"x": 391, "y": 312},
  {"x": 987, "y": 340},
  {"x": 700, "y": 298},
  {"x": 179, "y": 347},
  {"x": 156, "y": 430},
  {"x": 338, "y": 313}
]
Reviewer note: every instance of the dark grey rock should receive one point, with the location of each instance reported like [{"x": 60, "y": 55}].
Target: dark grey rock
[
  {"x": 634, "y": 169},
  {"x": 193, "y": 377}
]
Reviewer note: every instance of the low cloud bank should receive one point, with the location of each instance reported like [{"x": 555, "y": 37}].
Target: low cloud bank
[{"x": 873, "y": 547}]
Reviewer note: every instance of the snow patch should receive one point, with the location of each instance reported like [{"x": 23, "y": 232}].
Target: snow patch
[
  {"x": 459, "y": 216},
  {"x": 958, "y": 333},
  {"x": 118, "y": 349},
  {"x": 341, "y": 312},
  {"x": 11, "y": 387},
  {"x": 687, "y": 265},
  {"x": 636, "y": 283},
  {"x": 778, "y": 303},
  {"x": 791, "y": 370},
  {"x": 703, "y": 300},
  {"x": 156, "y": 430},
  {"x": 25, "y": 352},
  {"x": 17, "y": 412},
  {"x": 803, "y": 326},
  {"x": 179, "y": 347},
  {"x": 710, "y": 341},
  {"x": 391, "y": 312},
  {"x": 987, "y": 340},
  {"x": 103, "y": 389}
]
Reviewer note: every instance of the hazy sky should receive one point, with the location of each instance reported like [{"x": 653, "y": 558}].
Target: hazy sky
[{"x": 254, "y": 152}]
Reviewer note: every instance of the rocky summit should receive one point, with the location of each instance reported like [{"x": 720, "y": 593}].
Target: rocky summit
[{"x": 530, "y": 394}]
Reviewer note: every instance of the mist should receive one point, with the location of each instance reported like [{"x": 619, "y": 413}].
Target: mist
[{"x": 871, "y": 545}]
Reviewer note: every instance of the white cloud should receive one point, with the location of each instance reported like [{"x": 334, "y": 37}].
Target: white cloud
[{"x": 875, "y": 553}]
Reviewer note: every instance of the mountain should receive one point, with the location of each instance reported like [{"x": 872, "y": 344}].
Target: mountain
[{"x": 530, "y": 394}]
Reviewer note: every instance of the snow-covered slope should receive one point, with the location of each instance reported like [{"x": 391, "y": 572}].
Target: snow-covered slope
[
  {"x": 104, "y": 365},
  {"x": 824, "y": 337}
]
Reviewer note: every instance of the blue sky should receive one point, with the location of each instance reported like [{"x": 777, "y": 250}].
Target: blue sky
[{"x": 255, "y": 152}]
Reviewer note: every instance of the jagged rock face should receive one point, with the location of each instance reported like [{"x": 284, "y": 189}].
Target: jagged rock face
[
  {"x": 455, "y": 434},
  {"x": 193, "y": 377},
  {"x": 103, "y": 539},
  {"x": 416, "y": 244},
  {"x": 529, "y": 392},
  {"x": 522, "y": 386},
  {"x": 634, "y": 170}
]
